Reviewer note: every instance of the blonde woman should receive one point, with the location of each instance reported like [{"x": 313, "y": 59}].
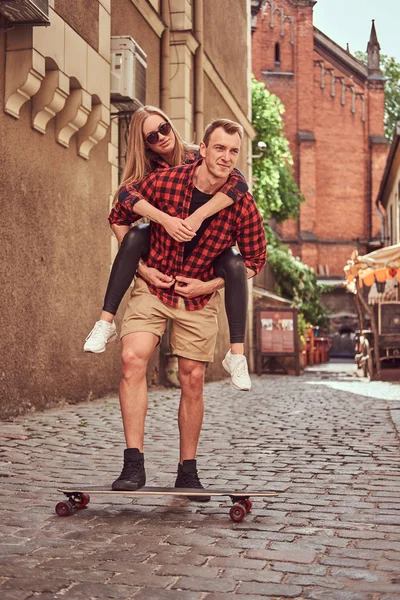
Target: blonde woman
[{"x": 154, "y": 144}]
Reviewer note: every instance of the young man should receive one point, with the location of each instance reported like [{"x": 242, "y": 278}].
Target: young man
[{"x": 191, "y": 303}]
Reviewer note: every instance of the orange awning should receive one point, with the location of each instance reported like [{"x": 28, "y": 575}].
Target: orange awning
[{"x": 380, "y": 265}]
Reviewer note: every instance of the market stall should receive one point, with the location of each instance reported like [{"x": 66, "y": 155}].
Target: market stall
[{"x": 374, "y": 279}]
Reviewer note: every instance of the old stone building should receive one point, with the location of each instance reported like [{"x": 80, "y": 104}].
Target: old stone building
[
  {"x": 334, "y": 122},
  {"x": 63, "y": 117}
]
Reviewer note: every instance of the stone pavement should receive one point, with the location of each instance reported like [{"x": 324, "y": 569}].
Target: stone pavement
[{"x": 332, "y": 533}]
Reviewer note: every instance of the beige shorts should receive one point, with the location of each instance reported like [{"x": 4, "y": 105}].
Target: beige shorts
[{"x": 193, "y": 332}]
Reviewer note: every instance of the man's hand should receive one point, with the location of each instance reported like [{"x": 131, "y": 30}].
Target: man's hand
[
  {"x": 155, "y": 277},
  {"x": 177, "y": 228},
  {"x": 190, "y": 288}
]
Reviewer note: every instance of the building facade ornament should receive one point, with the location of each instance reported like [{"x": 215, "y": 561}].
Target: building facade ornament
[{"x": 50, "y": 99}]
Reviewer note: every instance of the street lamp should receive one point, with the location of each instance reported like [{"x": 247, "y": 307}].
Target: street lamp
[{"x": 262, "y": 146}]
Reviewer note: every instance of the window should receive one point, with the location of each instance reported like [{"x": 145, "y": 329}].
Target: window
[{"x": 277, "y": 54}]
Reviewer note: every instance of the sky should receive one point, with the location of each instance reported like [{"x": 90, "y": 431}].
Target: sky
[{"x": 350, "y": 21}]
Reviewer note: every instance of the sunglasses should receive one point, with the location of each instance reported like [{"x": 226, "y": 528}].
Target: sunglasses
[{"x": 154, "y": 136}]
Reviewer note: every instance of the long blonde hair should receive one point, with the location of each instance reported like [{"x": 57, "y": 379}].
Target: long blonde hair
[{"x": 139, "y": 156}]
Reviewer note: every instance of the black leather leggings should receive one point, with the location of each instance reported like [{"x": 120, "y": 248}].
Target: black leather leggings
[{"x": 229, "y": 265}]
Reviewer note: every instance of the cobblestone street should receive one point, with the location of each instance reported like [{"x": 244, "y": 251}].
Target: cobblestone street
[{"x": 333, "y": 533}]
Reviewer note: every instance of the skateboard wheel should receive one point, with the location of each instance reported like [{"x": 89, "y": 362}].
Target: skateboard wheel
[
  {"x": 237, "y": 513},
  {"x": 64, "y": 509},
  {"x": 248, "y": 505},
  {"x": 85, "y": 501},
  {"x": 246, "y": 502}
]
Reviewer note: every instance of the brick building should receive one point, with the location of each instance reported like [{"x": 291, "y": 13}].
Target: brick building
[{"x": 334, "y": 123}]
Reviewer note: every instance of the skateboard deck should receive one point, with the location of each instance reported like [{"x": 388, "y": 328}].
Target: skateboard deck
[{"x": 78, "y": 497}]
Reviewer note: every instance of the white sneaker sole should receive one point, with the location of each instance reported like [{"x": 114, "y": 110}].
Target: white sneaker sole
[
  {"x": 95, "y": 351},
  {"x": 113, "y": 338},
  {"x": 241, "y": 389}
]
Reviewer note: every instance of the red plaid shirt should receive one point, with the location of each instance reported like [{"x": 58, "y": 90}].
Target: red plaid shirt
[
  {"x": 236, "y": 187},
  {"x": 171, "y": 191}
]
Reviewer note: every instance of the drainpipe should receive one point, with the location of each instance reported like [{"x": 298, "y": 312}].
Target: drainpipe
[
  {"x": 251, "y": 342},
  {"x": 369, "y": 196},
  {"x": 165, "y": 58},
  {"x": 381, "y": 215},
  {"x": 199, "y": 71}
]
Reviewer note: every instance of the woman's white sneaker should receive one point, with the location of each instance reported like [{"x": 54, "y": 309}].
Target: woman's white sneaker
[
  {"x": 236, "y": 366},
  {"x": 102, "y": 333}
]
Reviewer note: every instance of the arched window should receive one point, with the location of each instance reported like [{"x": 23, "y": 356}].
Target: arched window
[{"x": 277, "y": 54}]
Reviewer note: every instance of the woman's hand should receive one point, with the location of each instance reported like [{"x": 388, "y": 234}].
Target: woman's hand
[
  {"x": 177, "y": 229},
  {"x": 194, "y": 220},
  {"x": 155, "y": 277}
]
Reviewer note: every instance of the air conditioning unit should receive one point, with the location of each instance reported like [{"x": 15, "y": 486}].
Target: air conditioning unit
[
  {"x": 26, "y": 12},
  {"x": 128, "y": 73}
]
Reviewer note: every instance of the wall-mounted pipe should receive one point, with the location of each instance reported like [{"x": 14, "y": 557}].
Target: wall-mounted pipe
[
  {"x": 165, "y": 90},
  {"x": 382, "y": 217},
  {"x": 199, "y": 71}
]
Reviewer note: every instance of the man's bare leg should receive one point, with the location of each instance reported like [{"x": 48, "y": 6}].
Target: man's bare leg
[
  {"x": 136, "y": 351},
  {"x": 191, "y": 408},
  {"x": 190, "y": 420}
]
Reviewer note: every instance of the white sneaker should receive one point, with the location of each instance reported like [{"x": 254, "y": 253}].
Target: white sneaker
[
  {"x": 236, "y": 366},
  {"x": 101, "y": 334}
]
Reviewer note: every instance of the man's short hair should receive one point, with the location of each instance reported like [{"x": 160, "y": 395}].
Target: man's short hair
[{"x": 227, "y": 125}]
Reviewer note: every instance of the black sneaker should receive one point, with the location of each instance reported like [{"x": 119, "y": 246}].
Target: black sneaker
[
  {"x": 188, "y": 478},
  {"x": 133, "y": 475}
]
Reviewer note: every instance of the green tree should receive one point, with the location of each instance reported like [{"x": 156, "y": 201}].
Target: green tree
[
  {"x": 391, "y": 70},
  {"x": 278, "y": 197},
  {"x": 274, "y": 188},
  {"x": 298, "y": 282}
]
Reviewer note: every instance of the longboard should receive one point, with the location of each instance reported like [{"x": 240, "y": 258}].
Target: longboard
[{"x": 79, "y": 497}]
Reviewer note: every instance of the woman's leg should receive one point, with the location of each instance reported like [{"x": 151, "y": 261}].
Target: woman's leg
[
  {"x": 135, "y": 245},
  {"x": 231, "y": 267}
]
